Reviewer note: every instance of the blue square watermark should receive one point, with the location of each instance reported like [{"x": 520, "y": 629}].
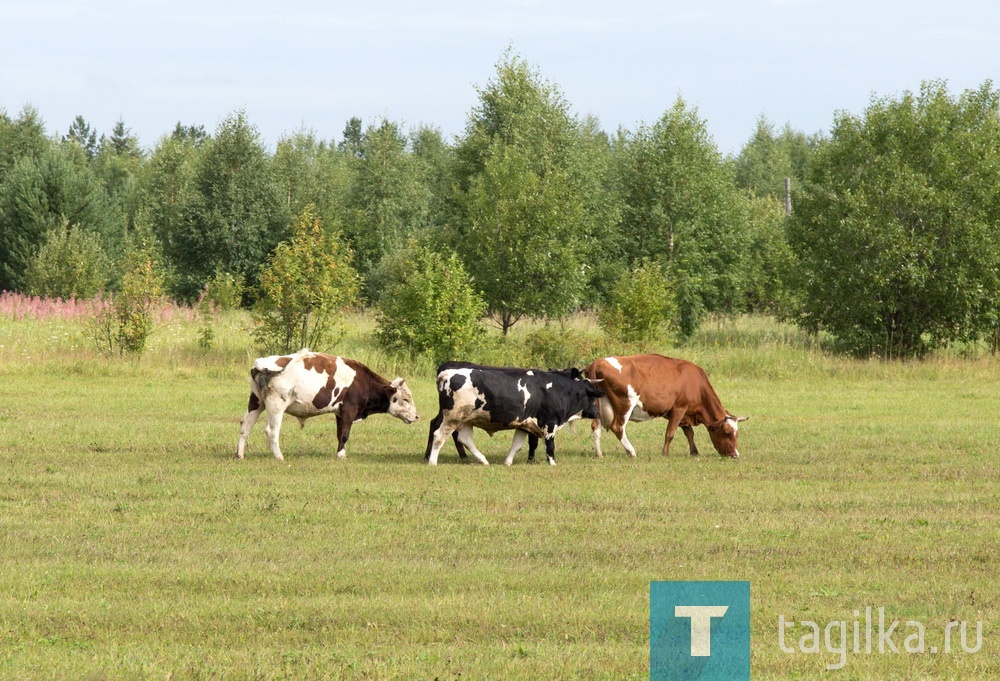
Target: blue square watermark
[{"x": 699, "y": 631}]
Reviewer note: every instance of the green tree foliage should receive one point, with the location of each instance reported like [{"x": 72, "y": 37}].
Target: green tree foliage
[
  {"x": 602, "y": 245},
  {"x": 521, "y": 203},
  {"x": 430, "y": 305},
  {"x": 897, "y": 238},
  {"x": 768, "y": 158},
  {"x": 118, "y": 164},
  {"x": 520, "y": 242},
  {"x": 768, "y": 281},
  {"x": 82, "y": 134},
  {"x": 169, "y": 195},
  {"x": 681, "y": 206},
  {"x": 70, "y": 263},
  {"x": 433, "y": 163},
  {"x": 235, "y": 217},
  {"x": 640, "y": 307},
  {"x": 307, "y": 284},
  {"x": 353, "y": 136},
  {"x": 38, "y": 195},
  {"x": 311, "y": 171},
  {"x": 195, "y": 135},
  {"x": 20, "y": 138},
  {"x": 388, "y": 199}
]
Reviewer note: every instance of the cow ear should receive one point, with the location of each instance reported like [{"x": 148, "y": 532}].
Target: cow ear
[
  {"x": 397, "y": 382},
  {"x": 740, "y": 419}
]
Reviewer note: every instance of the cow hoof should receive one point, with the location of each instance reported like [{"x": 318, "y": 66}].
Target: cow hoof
[
  {"x": 341, "y": 454},
  {"x": 552, "y": 463},
  {"x": 508, "y": 463}
]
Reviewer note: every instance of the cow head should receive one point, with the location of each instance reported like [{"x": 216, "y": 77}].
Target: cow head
[
  {"x": 593, "y": 394},
  {"x": 401, "y": 402},
  {"x": 724, "y": 434}
]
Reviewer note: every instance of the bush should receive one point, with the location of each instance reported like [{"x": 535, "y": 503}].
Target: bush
[
  {"x": 224, "y": 290},
  {"x": 554, "y": 347},
  {"x": 124, "y": 325},
  {"x": 307, "y": 284},
  {"x": 69, "y": 264},
  {"x": 640, "y": 306},
  {"x": 429, "y": 306}
]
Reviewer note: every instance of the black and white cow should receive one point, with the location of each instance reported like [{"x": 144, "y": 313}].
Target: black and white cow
[
  {"x": 308, "y": 384},
  {"x": 528, "y": 401},
  {"x": 573, "y": 373}
]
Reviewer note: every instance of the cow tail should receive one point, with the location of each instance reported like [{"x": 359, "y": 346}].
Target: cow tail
[{"x": 260, "y": 378}]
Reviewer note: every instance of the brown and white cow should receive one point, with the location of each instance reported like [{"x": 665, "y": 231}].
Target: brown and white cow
[
  {"x": 308, "y": 384},
  {"x": 645, "y": 387}
]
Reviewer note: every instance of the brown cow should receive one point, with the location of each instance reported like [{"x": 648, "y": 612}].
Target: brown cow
[
  {"x": 644, "y": 387},
  {"x": 308, "y": 384}
]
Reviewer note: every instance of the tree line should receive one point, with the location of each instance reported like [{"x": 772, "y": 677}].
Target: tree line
[{"x": 892, "y": 246}]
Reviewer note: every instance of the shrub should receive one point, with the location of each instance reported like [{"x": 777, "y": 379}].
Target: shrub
[
  {"x": 69, "y": 264},
  {"x": 429, "y": 306},
  {"x": 224, "y": 290},
  {"x": 307, "y": 284},
  {"x": 124, "y": 326},
  {"x": 554, "y": 347},
  {"x": 640, "y": 306}
]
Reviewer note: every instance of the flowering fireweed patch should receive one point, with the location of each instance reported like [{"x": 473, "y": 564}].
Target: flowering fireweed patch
[{"x": 19, "y": 306}]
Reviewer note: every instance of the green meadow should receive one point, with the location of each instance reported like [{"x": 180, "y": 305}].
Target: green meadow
[{"x": 135, "y": 546}]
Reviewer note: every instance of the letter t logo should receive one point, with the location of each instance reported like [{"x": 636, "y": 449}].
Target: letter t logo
[
  {"x": 701, "y": 625},
  {"x": 699, "y": 631}
]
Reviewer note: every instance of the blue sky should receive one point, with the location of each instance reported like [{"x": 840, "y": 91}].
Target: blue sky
[{"x": 311, "y": 64}]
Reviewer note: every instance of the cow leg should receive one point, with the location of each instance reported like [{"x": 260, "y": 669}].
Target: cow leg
[
  {"x": 550, "y": 449},
  {"x": 532, "y": 446},
  {"x": 515, "y": 446},
  {"x": 459, "y": 446},
  {"x": 343, "y": 433},
  {"x": 689, "y": 434},
  {"x": 676, "y": 416},
  {"x": 254, "y": 410},
  {"x": 606, "y": 416},
  {"x": 465, "y": 437},
  {"x": 275, "y": 412},
  {"x": 595, "y": 426},
  {"x": 619, "y": 430},
  {"x": 437, "y": 439},
  {"x": 435, "y": 424}
]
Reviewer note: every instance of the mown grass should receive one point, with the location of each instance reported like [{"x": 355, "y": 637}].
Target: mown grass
[{"x": 134, "y": 545}]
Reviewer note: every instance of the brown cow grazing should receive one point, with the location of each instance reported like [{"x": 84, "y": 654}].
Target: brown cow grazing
[
  {"x": 644, "y": 387},
  {"x": 308, "y": 384}
]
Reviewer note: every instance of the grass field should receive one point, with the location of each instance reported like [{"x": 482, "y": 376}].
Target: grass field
[{"x": 135, "y": 546}]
